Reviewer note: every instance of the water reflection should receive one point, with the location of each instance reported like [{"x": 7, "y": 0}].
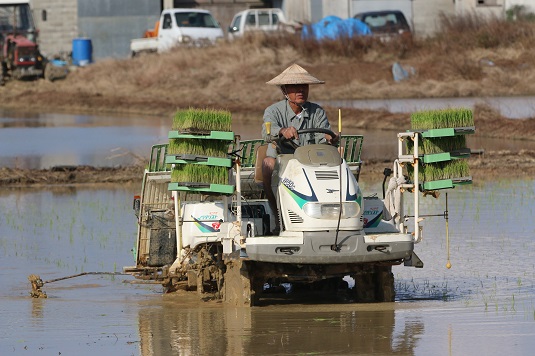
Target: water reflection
[
  {"x": 178, "y": 328},
  {"x": 513, "y": 107},
  {"x": 47, "y": 140}
]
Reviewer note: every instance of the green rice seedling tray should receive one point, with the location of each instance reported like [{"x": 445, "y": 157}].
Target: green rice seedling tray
[
  {"x": 193, "y": 187},
  {"x": 446, "y": 183},
  {"x": 212, "y": 135},
  {"x": 197, "y": 159},
  {"x": 451, "y": 131},
  {"x": 446, "y": 156}
]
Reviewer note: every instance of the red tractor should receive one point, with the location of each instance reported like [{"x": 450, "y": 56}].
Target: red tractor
[{"x": 19, "y": 52}]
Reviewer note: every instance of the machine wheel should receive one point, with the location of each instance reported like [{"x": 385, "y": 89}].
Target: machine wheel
[
  {"x": 384, "y": 280},
  {"x": 239, "y": 286},
  {"x": 3, "y": 72},
  {"x": 374, "y": 285}
]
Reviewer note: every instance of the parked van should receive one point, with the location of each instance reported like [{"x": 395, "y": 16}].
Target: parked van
[{"x": 256, "y": 20}]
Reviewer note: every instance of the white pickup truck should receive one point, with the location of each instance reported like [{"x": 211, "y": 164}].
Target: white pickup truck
[{"x": 191, "y": 27}]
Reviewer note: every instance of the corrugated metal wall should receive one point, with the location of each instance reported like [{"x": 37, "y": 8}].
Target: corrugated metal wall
[{"x": 111, "y": 24}]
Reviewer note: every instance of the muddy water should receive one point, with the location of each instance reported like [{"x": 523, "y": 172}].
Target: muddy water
[
  {"x": 47, "y": 140},
  {"x": 485, "y": 304}
]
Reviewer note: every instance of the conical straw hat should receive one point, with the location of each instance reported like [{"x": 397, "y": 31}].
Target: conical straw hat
[{"x": 295, "y": 74}]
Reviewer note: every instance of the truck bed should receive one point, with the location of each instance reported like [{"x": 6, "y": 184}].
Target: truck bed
[{"x": 138, "y": 45}]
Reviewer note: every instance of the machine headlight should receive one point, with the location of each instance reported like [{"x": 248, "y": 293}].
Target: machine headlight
[{"x": 331, "y": 210}]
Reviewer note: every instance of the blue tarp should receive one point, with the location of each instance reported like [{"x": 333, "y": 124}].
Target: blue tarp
[{"x": 333, "y": 27}]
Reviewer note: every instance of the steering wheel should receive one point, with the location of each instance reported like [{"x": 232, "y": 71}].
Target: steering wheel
[{"x": 289, "y": 143}]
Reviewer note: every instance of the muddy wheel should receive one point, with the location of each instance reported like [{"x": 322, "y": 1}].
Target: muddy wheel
[
  {"x": 384, "y": 282},
  {"x": 374, "y": 285},
  {"x": 239, "y": 286},
  {"x": 3, "y": 72}
]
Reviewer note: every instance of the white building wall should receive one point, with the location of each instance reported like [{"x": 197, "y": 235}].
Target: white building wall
[
  {"x": 491, "y": 8},
  {"x": 426, "y": 15},
  {"x": 297, "y": 10},
  {"x": 528, "y": 4},
  {"x": 338, "y": 8},
  {"x": 404, "y": 6}
]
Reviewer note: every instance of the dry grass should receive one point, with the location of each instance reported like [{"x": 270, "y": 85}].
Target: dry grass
[{"x": 470, "y": 57}]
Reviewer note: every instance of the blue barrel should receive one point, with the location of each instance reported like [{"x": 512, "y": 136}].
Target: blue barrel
[{"x": 82, "y": 51}]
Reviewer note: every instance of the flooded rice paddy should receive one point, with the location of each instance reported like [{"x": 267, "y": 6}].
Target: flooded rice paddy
[
  {"x": 484, "y": 304},
  {"x": 39, "y": 141}
]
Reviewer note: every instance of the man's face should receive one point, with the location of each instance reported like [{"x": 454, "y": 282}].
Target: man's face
[{"x": 298, "y": 93}]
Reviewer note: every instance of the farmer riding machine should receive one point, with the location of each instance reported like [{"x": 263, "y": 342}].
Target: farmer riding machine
[
  {"x": 19, "y": 55},
  {"x": 204, "y": 225}
]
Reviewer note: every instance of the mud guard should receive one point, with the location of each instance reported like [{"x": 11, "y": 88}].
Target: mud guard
[{"x": 414, "y": 261}]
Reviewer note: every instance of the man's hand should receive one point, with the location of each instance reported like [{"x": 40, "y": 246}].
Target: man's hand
[
  {"x": 332, "y": 140},
  {"x": 289, "y": 133}
]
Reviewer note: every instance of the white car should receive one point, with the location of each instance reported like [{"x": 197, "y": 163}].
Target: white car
[{"x": 265, "y": 20}]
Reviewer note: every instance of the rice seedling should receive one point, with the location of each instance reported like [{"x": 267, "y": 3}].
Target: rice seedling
[
  {"x": 210, "y": 148},
  {"x": 198, "y": 121},
  {"x": 438, "y": 145},
  {"x": 201, "y": 120},
  {"x": 199, "y": 173},
  {"x": 440, "y": 119}
]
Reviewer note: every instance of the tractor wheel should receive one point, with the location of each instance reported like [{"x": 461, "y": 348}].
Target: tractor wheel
[
  {"x": 3, "y": 71},
  {"x": 239, "y": 285},
  {"x": 48, "y": 72},
  {"x": 374, "y": 285}
]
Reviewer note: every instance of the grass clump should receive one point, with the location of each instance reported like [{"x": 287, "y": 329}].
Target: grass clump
[
  {"x": 202, "y": 120},
  {"x": 210, "y": 148},
  {"x": 183, "y": 173},
  {"x": 440, "y": 119},
  {"x": 429, "y": 172}
]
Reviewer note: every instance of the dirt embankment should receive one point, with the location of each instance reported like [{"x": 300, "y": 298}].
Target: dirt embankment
[
  {"x": 69, "y": 175},
  {"x": 487, "y": 166}
]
